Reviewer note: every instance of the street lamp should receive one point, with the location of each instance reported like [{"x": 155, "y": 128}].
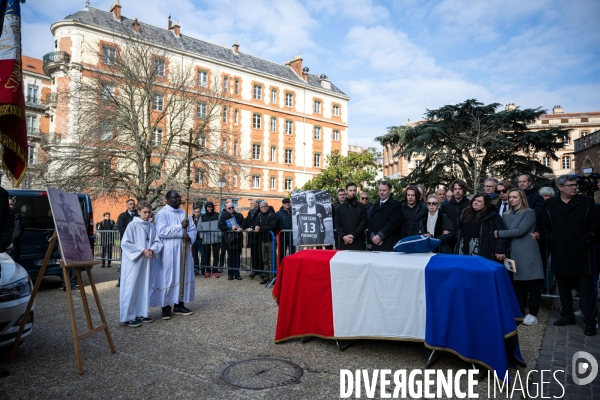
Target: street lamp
[{"x": 221, "y": 183}]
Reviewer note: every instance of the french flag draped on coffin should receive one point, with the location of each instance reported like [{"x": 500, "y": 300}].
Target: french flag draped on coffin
[{"x": 462, "y": 304}]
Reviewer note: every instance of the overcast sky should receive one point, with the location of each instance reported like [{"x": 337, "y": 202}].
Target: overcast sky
[{"x": 396, "y": 58}]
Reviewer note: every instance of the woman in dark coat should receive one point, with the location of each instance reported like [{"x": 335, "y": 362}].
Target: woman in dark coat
[
  {"x": 443, "y": 227},
  {"x": 476, "y": 233},
  {"x": 529, "y": 277}
]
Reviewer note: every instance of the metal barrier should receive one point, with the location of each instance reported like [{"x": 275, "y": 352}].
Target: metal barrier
[
  {"x": 237, "y": 252},
  {"x": 107, "y": 246}
]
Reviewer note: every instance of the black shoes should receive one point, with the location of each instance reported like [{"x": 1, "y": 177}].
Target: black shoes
[
  {"x": 252, "y": 275},
  {"x": 182, "y": 310},
  {"x": 590, "y": 330},
  {"x": 264, "y": 281},
  {"x": 564, "y": 321},
  {"x": 230, "y": 278},
  {"x": 134, "y": 323},
  {"x": 144, "y": 320},
  {"x": 166, "y": 312},
  {"x": 103, "y": 266},
  {"x": 239, "y": 278}
]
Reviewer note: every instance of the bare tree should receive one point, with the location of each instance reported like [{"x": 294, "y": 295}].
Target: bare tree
[{"x": 130, "y": 114}]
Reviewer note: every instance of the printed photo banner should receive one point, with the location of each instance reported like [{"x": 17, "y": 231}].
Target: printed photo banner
[{"x": 312, "y": 218}]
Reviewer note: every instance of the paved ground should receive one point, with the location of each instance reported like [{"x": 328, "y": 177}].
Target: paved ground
[{"x": 184, "y": 357}]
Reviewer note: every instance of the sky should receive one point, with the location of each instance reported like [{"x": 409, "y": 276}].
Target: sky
[{"x": 396, "y": 58}]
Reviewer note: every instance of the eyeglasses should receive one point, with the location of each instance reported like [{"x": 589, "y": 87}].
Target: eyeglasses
[
  {"x": 264, "y": 206},
  {"x": 364, "y": 198},
  {"x": 430, "y": 203},
  {"x": 230, "y": 208},
  {"x": 570, "y": 185},
  {"x": 501, "y": 191}
]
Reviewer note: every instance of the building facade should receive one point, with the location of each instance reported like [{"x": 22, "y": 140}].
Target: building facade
[{"x": 284, "y": 119}]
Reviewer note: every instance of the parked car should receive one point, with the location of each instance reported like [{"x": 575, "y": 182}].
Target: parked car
[
  {"x": 39, "y": 226},
  {"x": 15, "y": 291}
]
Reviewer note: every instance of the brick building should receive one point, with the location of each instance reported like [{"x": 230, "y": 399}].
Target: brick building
[{"x": 285, "y": 119}]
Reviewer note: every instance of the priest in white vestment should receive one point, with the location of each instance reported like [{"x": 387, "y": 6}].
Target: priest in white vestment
[
  {"x": 176, "y": 231},
  {"x": 140, "y": 248}
]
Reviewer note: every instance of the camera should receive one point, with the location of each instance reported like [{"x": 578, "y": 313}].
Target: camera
[{"x": 587, "y": 182}]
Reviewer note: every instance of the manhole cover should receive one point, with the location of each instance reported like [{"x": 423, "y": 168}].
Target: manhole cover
[{"x": 262, "y": 373}]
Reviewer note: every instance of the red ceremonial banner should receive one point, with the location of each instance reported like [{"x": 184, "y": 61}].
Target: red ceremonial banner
[{"x": 13, "y": 128}]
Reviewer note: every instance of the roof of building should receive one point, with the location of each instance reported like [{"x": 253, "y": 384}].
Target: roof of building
[
  {"x": 164, "y": 37},
  {"x": 571, "y": 115},
  {"x": 32, "y": 65}
]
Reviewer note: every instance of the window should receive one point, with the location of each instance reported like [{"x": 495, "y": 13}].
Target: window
[
  {"x": 546, "y": 161},
  {"x": 257, "y": 92},
  {"x": 272, "y": 182},
  {"x": 235, "y": 148},
  {"x": 237, "y": 86},
  {"x": 202, "y": 141},
  {"x": 584, "y": 133},
  {"x": 273, "y": 153},
  {"x": 256, "y": 151},
  {"x": 159, "y": 66},
  {"x": 273, "y": 96},
  {"x": 157, "y": 137},
  {"x": 31, "y": 154},
  {"x": 317, "y": 107},
  {"x": 201, "y": 110},
  {"x": 202, "y": 78},
  {"x": 567, "y": 139},
  {"x": 236, "y": 116},
  {"x": 199, "y": 176},
  {"x": 336, "y": 134},
  {"x": 107, "y": 91},
  {"x": 289, "y": 100},
  {"x": 288, "y": 183},
  {"x": 224, "y": 144},
  {"x": 106, "y": 134},
  {"x": 224, "y": 113},
  {"x": 235, "y": 180},
  {"x": 566, "y": 162},
  {"x": 317, "y": 133},
  {"x": 288, "y": 156},
  {"x": 336, "y": 111},
  {"x": 157, "y": 102},
  {"x": 288, "y": 127},
  {"x": 453, "y": 167},
  {"x": 256, "y": 181},
  {"x": 31, "y": 123},
  {"x": 273, "y": 124},
  {"x": 109, "y": 54},
  {"x": 317, "y": 160},
  {"x": 225, "y": 84},
  {"x": 418, "y": 163},
  {"x": 256, "y": 121},
  {"x": 32, "y": 94}
]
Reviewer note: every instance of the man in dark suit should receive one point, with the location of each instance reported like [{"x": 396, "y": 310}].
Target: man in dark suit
[
  {"x": 385, "y": 221},
  {"x": 351, "y": 221}
]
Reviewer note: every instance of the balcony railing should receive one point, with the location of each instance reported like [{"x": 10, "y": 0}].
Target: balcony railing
[
  {"x": 33, "y": 132},
  {"x": 34, "y": 102},
  {"x": 51, "y": 139},
  {"x": 587, "y": 141},
  {"x": 54, "y": 59}
]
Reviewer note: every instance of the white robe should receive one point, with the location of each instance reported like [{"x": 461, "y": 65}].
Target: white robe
[
  {"x": 164, "y": 287},
  {"x": 136, "y": 268}
]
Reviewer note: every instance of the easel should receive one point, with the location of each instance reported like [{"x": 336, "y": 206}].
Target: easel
[{"x": 77, "y": 338}]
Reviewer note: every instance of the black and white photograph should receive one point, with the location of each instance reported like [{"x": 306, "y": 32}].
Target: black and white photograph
[
  {"x": 70, "y": 226},
  {"x": 312, "y": 220}
]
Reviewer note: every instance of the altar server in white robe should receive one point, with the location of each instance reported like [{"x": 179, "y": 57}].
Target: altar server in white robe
[
  {"x": 140, "y": 247},
  {"x": 176, "y": 231}
]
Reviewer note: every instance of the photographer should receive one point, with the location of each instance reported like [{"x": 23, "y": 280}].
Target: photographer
[{"x": 569, "y": 224}]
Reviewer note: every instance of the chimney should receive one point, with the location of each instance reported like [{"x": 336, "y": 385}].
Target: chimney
[
  {"x": 510, "y": 107},
  {"x": 116, "y": 10},
  {"x": 557, "y": 110},
  {"x": 236, "y": 47},
  {"x": 296, "y": 65},
  {"x": 169, "y": 23},
  {"x": 177, "y": 29},
  {"x": 136, "y": 26}
]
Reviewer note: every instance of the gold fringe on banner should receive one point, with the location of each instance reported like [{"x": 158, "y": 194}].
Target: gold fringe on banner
[
  {"x": 7, "y": 142},
  {"x": 11, "y": 109}
]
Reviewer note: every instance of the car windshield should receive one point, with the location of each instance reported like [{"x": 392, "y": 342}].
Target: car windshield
[{"x": 35, "y": 211}]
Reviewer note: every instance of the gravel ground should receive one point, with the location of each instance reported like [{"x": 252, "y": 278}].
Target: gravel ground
[{"x": 185, "y": 356}]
